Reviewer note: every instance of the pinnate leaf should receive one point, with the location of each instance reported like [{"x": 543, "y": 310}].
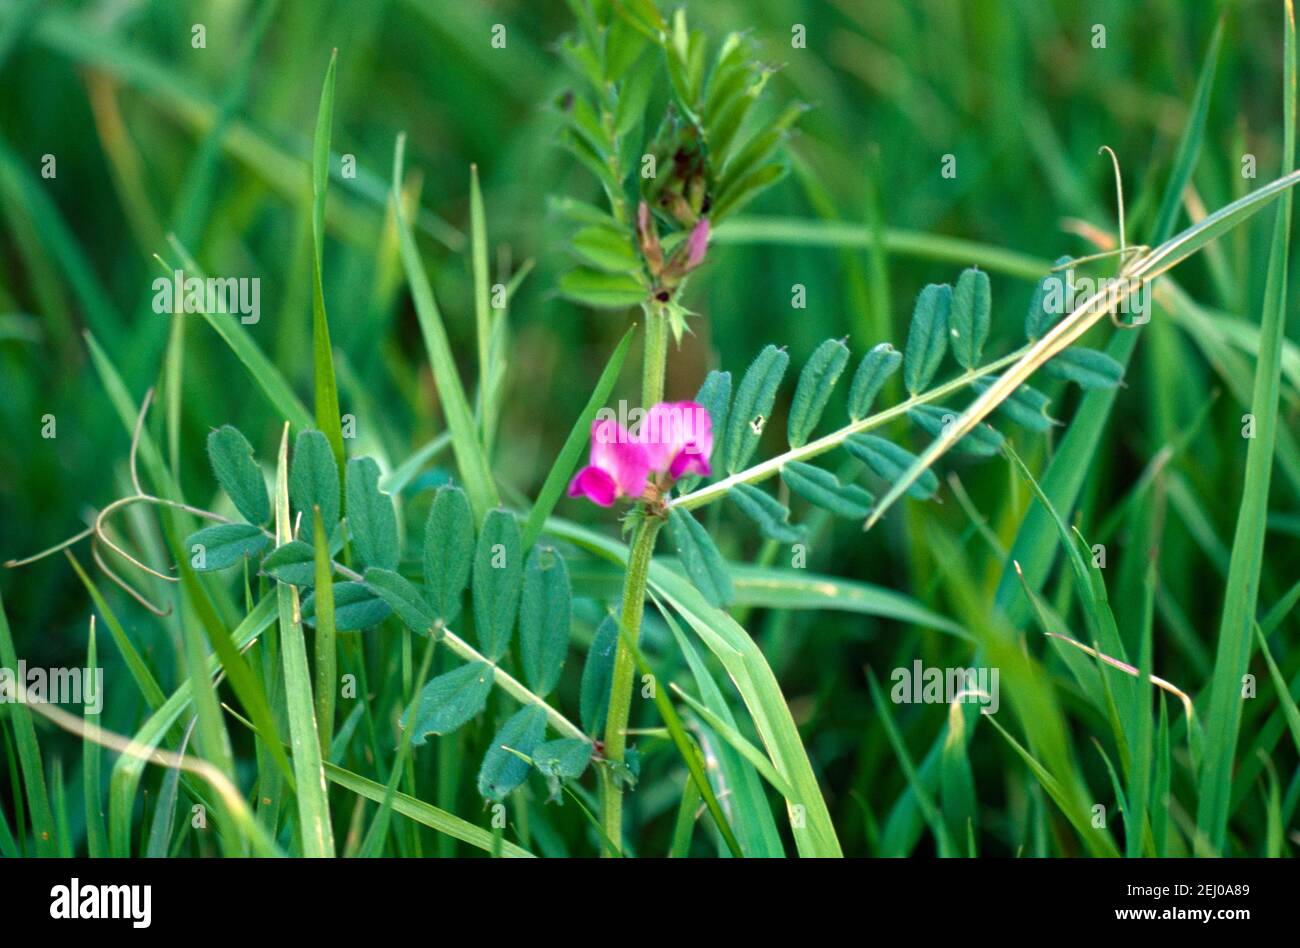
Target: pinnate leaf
[
  {"x": 498, "y": 580},
  {"x": 888, "y": 461},
  {"x": 972, "y": 304},
  {"x": 545, "y": 612},
  {"x": 821, "y": 487},
  {"x": 873, "y": 371},
  {"x": 224, "y": 545},
  {"x": 816, "y": 382},
  {"x": 293, "y": 562},
  {"x": 448, "y": 552},
  {"x": 402, "y": 597},
  {"x": 927, "y": 338},
  {"x": 772, "y": 517},
  {"x": 372, "y": 521},
  {"x": 356, "y": 607},
  {"x": 503, "y": 771},
  {"x": 597, "y": 676},
  {"x": 700, "y": 558},
  {"x": 449, "y": 701},
  {"x": 238, "y": 474},
  {"x": 314, "y": 481},
  {"x": 753, "y": 406}
]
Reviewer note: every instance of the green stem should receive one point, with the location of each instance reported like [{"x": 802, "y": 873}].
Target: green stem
[
  {"x": 620, "y": 692},
  {"x": 656, "y": 357}
]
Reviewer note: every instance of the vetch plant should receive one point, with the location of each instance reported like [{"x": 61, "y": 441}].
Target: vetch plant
[{"x": 370, "y": 624}]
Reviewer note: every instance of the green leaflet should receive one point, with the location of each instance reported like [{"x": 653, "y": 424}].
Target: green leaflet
[
  {"x": 873, "y": 371},
  {"x": 888, "y": 461},
  {"x": 593, "y": 288},
  {"x": 356, "y": 607},
  {"x": 821, "y": 487},
  {"x": 238, "y": 474},
  {"x": 293, "y": 562},
  {"x": 740, "y": 190},
  {"x": 597, "y": 675},
  {"x": 563, "y": 759},
  {"x": 503, "y": 771},
  {"x": 700, "y": 558},
  {"x": 816, "y": 382},
  {"x": 1087, "y": 368},
  {"x": 1026, "y": 406},
  {"x": 772, "y": 517},
  {"x": 372, "y": 522},
  {"x": 972, "y": 304},
  {"x": 605, "y": 249},
  {"x": 224, "y": 545},
  {"x": 982, "y": 441},
  {"x": 448, "y": 552},
  {"x": 314, "y": 481},
  {"x": 402, "y": 597},
  {"x": 448, "y": 701},
  {"x": 927, "y": 338},
  {"x": 1047, "y": 305},
  {"x": 715, "y": 396},
  {"x": 544, "y": 618},
  {"x": 753, "y": 404},
  {"x": 498, "y": 579}
]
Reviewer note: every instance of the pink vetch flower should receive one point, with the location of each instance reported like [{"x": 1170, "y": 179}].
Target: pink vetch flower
[
  {"x": 672, "y": 440},
  {"x": 678, "y": 437},
  {"x": 618, "y": 467}
]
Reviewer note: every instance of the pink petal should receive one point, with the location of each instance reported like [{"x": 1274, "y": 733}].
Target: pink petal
[
  {"x": 594, "y": 484},
  {"x": 621, "y": 456},
  {"x": 671, "y": 428},
  {"x": 697, "y": 244},
  {"x": 690, "y": 461}
]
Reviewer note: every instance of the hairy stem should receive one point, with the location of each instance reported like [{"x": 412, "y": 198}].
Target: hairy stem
[
  {"x": 656, "y": 357},
  {"x": 620, "y": 692}
]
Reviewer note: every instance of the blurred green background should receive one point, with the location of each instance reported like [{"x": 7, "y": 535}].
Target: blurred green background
[{"x": 1014, "y": 89}]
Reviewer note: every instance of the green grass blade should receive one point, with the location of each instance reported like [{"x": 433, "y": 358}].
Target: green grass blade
[
  {"x": 814, "y": 834},
  {"x": 470, "y": 459},
  {"x": 746, "y": 802},
  {"x": 1288, "y": 703},
  {"x": 690, "y": 755},
  {"x": 326, "y": 647},
  {"x": 1189, "y": 147},
  {"x": 567, "y": 460},
  {"x": 482, "y": 310},
  {"x": 91, "y": 771},
  {"x": 1232, "y": 656},
  {"x": 423, "y": 813},
  {"x": 313, "y": 799},
  {"x": 943, "y": 841},
  {"x": 125, "y": 777},
  {"x": 144, "y": 679},
  {"x": 328, "y": 419},
  {"x": 29, "y": 754}
]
